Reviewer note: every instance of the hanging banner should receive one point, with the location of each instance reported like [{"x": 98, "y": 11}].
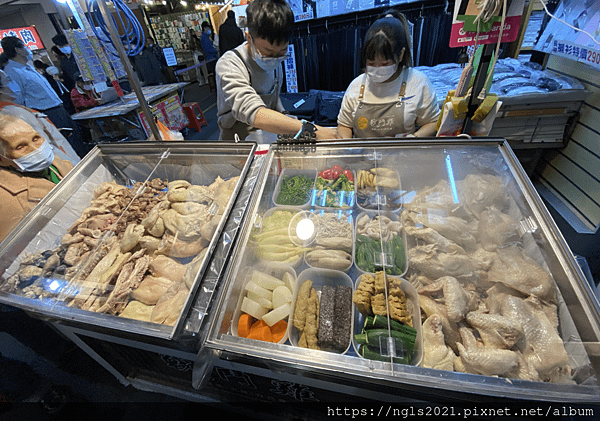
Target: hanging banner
[
  {"x": 291, "y": 77},
  {"x": 463, "y": 33},
  {"x": 27, "y": 34}
]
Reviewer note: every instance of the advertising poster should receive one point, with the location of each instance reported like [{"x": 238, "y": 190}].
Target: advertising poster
[
  {"x": 562, "y": 40},
  {"x": 28, "y": 35},
  {"x": 169, "y": 112},
  {"x": 462, "y": 23}
]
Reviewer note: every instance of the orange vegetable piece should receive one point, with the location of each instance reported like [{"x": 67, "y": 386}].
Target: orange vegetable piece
[
  {"x": 260, "y": 331},
  {"x": 244, "y": 324},
  {"x": 278, "y": 330}
]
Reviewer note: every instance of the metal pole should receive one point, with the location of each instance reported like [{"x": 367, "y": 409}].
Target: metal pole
[{"x": 135, "y": 83}]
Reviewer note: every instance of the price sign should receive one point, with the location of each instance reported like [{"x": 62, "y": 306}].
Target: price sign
[
  {"x": 170, "y": 57},
  {"x": 576, "y": 52}
]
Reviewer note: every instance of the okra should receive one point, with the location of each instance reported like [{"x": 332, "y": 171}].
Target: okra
[
  {"x": 381, "y": 322},
  {"x": 372, "y": 337},
  {"x": 373, "y": 354}
]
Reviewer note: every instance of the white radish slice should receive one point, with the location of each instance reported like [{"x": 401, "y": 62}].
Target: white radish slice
[
  {"x": 258, "y": 290},
  {"x": 277, "y": 314},
  {"x": 265, "y": 280},
  {"x": 253, "y": 308},
  {"x": 281, "y": 295},
  {"x": 260, "y": 300}
]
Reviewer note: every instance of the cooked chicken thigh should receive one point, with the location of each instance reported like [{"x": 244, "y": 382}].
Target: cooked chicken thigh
[{"x": 436, "y": 354}]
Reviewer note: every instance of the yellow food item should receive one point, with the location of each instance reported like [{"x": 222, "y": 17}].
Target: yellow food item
[{"x": 301, "y": 305}]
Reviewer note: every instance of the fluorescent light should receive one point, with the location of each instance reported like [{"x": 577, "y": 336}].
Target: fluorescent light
[{"x": 183, "y": 2}]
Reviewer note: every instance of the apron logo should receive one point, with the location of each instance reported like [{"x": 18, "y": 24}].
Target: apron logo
[
  {"x": 362, "y": 123},
  {"x": 382, "y": 122}
]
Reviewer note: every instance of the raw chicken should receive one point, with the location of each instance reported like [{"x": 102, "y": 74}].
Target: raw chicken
[{"x": 436, "y": 354}]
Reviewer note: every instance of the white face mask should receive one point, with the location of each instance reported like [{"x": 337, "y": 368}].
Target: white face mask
[
  {"x": 381, "y": 74},
  {"x": 267, "y": 63},
  {"x": 38, "y": 160},
  {"x": 65, "y": 50}
]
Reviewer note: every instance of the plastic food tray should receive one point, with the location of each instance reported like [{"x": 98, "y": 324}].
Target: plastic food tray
[
  {"x": 291, "y": 172},
  {"x": 394, "y": 217},
  {"x": 345, "y": 200},
  {"x": 386, "y": 199},
  {"x": 276, "y": 271},
  {"x": 415, "y": 311},
  {"x": 343, "y": 214},
  {"x": 319, "y": 278}
]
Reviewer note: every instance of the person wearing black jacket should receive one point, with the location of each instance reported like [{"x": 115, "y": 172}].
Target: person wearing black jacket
[
  {"x": 230, "y": 35},
  {"x": 51, "y": 75},
  {"x": 68, "y": 65}
]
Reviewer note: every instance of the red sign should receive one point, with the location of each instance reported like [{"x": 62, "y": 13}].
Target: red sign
[
  {"x": 459, "y": 37},
  {"x": 28, "y": 35}
]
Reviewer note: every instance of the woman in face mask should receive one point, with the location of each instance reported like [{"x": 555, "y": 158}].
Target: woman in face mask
[
  {"x": 28, "y": 170},
  {"x": 391, "y": 99},
  {"x": 83, "y": 95}
]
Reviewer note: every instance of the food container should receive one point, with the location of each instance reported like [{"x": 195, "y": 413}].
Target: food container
[
  {"x": 415, "y": 312},
  {"x": 443, "y": 179},
  {"x": 396, "y": 251},
  {"x": 321, "y": 278},
  {"x": 286, "y": 173},
  {"x": 268, "y": 246},
  {"x": 277, "y": 271},
  {"x": 331, "y": 246},
  {"x": 334, "y": 197},
  {"x": 385, "y": 194}
]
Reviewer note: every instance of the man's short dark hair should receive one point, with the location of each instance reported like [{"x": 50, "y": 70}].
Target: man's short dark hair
[
  {"x": 60, "y": 40},
  {"x": 10, "y": 45},
  {"x": 3, "y": 60},
  {"x": 271, "y": 20},
  {"x": 205, "y": 24}
]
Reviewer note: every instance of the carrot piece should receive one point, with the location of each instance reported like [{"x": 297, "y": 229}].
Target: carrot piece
[
  {"x": 244, "y": 324},
  {"x": 261, "y": 333},
  {"x": 278, "y": 330}
]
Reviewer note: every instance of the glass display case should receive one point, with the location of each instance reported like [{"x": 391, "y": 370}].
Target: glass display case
[
  {"x": 430, "y": 267},
  {"x": 122, "y": 244}
]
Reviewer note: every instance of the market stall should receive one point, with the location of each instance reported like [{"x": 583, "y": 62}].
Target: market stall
[
  {"x": 449, "y": 232},
  {"x": 124, "y": 118}
]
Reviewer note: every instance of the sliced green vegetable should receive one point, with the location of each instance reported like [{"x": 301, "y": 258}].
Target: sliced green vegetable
[
  {"x": 294, "y": 190},
  {"x": 381, "y": 322}
]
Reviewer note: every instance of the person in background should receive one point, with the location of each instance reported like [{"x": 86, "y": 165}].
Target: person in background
[
  {"x": 33, "y": 91},
  {"x": 210, "y": 52},
  {"x": 230, "y": 35},
  {"x": 249, "y": 77},
  {"x": 68, "y": 65},
  {"x": 155, "y": 49},
  {"x": 3, "y": 61},
  {"x": 83, "y": 95},
  {"x": 51, "y": 74},
  {"x": 148, "y": 65},
  {"x": 391, "y": 99}
]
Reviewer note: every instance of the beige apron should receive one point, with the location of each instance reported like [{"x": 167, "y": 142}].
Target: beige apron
[
  {"x": 270, "y": 99},
  {"x": 379, "y": 120}
]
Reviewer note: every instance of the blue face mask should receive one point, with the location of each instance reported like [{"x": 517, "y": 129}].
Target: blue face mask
[
  {"x": 38, "y": 160},
  {"x": 28, "y": 54}
]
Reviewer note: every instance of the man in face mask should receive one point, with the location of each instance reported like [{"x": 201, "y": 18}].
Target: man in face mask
[
  {"x": 28, "y": 170},
  {"x": 249, "y": 77},
  {"x": 68, "y": 65}
]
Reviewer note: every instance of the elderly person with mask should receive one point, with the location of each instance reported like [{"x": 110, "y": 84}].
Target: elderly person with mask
[{"x": 29, "y": 165}]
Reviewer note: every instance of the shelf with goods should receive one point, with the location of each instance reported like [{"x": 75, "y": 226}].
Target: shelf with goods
[{"x": 172, "y": 30}]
